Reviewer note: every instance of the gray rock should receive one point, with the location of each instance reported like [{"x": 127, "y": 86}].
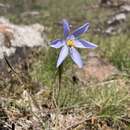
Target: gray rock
[
  {"x": 4, "y": 5},
  {"x": 30, "y": 13},
  {"x": 113, "y": 30},
  {"x": 125, "y": 8},
  {"x": 117, "y": 18},
  {"x": 23, "y": 36},
  {"x": 109, "y": 30}
]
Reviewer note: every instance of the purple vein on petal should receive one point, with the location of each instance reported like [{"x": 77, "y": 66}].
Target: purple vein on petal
[
  {"x": 78, "y": 44},
  {"x": 66, "y": 27},
  {"x": 82, "y": 29},
  {"x": 88, "y": 44},
  {"x": 57, "y": 43}
]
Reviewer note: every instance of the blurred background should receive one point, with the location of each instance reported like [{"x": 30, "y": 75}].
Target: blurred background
[
  {"x": 28, "y": 69},
  {"x": 109, "y": 21}
]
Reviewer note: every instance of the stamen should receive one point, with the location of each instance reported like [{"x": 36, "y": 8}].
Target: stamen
[{"x": 70, "y": 43}]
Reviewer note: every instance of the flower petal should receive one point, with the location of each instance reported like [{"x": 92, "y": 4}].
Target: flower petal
[
  {"x": 78, "y": 44},
  {"x": 70, "y": 37},
  {"x": 76, "y": 57},
  {"x": 66, "y": 27},
  {"x": 88, "y": 44},
  {"x": 82, "y": 29},
  {"x": 63, "y": 54},
  {"x": 57, "y": 43}
]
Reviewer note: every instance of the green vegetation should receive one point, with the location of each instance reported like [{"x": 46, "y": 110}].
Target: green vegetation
[
  {"x": 115, "y": 48},
  {"x": 110, "y": 101},
  {"x": 105, "y": 101}
]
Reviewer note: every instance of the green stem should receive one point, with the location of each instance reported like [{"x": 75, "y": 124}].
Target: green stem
[
  {"x": 56, "y": 90},
  {"x": 60, "y": 72}
]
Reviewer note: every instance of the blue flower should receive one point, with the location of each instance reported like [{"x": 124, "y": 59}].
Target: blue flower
[{"x": 70, "y": 42}]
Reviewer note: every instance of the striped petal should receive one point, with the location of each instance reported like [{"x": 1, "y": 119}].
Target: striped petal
[
  {"x": 70, "y": 37},
  {"x": 57, "y": 43},
  {"x": 78, "y": 44},
  {"x": 88, "y": 44},
  {"x": 63, "y": 54},
  {"x": 81, "y": 30},
  {"x": 76, "y": 57},
  {"x": 66, "y": 27}
]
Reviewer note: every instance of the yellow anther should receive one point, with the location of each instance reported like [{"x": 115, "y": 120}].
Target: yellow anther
[{"x": 70, "y": 43}]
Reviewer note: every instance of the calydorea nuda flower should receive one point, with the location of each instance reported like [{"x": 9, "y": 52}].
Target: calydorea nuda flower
[{"x": 71, "y": 42}]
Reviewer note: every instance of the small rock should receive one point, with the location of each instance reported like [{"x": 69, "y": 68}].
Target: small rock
[
  {"x": 117, "y": 19},
  {"x": 106, "y": 2},
  {"x": 113, "y": 30},
  {"x": 30, "y": 14},
  {"x": 96, "y": 69},
  {"x": 109, "y": 30},
  {"x": 4, "y": 5},
  {"x": 125, "y": 8}
]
